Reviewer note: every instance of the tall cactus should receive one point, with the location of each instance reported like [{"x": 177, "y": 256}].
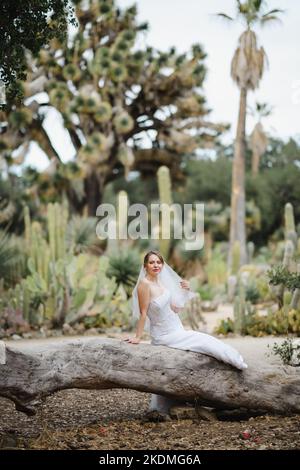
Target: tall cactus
[
  {"x": 290, "y": 247},
  {"x": 57, "y": 218},
  {"x": 250, "y": 251},
  {"x": 47, "y": 262},
  {"x": 243, "y": 309},
  {"x": 239, "y": 309},
  {"x": 296, "y": 295},
  {"x": 289, "y": 250},
  {"x": 193, "y": 312},
  {"x": 120, "y": 225},
  {"x": 290, "y": 230},
  {"x": 165, "y": 196},
  {"x": 27, "y": 223},
  {"x": 236, "y": 255}
]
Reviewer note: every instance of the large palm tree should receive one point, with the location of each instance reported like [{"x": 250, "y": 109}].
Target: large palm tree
[{"x": 247, "y": 69}]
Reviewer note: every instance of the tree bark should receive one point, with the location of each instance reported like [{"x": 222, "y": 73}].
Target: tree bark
[
  {"x": 30, "y": 373},
  {"x": 237, "y": 218},
  {"x": 94, "y": 193}
]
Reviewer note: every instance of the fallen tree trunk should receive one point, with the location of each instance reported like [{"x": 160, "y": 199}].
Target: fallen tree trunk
[{"x": 29, "y": 374}]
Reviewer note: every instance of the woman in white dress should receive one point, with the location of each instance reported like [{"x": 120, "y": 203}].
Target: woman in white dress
[{"x": 157, "y": 298}]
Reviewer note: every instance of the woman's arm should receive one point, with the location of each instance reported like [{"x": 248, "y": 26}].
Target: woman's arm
[{"x": 144, "y": 300}]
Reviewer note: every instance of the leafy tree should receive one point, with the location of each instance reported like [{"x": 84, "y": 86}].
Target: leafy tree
[
  {"x": 211, "y": 180},
  {"x": 28, "y": 25},
  {"x": 272, "y": 189},
  {"x": 276, "y": 184},
  {"x": 280, "y": 153},
  {"x": 112, "y": 96}
]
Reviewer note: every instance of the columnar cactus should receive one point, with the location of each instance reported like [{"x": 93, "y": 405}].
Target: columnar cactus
[
  {"x": 27, "y": 223},
  {"x": 193, "y": 312},
  {"x": 291, "y": 238},
  {"x": 165, "y": 196},
  {"x": 296, "y": 295},
  {"x": 290, "y": 230},
  {"x": 46, "y": 262},
  {"x": 57, "y": 217},
  {"x": 289, "y": 263},
  {"x": 250, "y": 251},
  {"x": 239, "y": 309},
  {"x": 236, "y": 255}
]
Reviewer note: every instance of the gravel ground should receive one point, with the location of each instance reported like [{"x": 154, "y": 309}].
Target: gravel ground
[{"x": 115, "y": 419}]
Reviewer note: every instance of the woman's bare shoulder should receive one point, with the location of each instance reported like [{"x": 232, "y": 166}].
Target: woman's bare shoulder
[
  {"x": 144, "y": 285},
  {"x": 144, "y": 282}
]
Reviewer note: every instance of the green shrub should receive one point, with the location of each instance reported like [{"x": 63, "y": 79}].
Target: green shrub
[
  {"x": 252, "y": 293},
  {"x": 282, "y": 322},
  {"x": 284, "y": 350},
  {"x": 225, "y": 327},
  {"x": 206, "y": 292}
]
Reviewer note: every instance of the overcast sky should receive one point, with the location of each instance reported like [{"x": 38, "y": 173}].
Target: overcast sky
[
  {"x": 181, "y": 23},
  {"x": 184, "y": 22}
]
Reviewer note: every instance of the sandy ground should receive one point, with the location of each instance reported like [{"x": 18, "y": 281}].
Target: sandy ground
[{"x": 252, "y": 349}]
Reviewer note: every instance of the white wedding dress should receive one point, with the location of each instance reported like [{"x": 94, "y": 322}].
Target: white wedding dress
[{"x": 166, "y": 329}]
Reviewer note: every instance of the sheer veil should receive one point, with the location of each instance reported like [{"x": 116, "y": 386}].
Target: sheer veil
[{"x": 170, "y": 280}]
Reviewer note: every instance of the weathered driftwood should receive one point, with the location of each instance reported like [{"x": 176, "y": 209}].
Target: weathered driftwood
[{"x": 31, "y": 373}]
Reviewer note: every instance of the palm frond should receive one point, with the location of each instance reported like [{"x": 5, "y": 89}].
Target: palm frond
[
  {"x": 257, "y": 4},
  {"x": 224, "y": 16},
  {"x": 263, "y": 109},
  {"x": 267, "y": 19},
  {"x": 273, "y": 12}
]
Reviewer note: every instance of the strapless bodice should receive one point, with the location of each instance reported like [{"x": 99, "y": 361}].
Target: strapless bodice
[{"x": 163, "y": 320}]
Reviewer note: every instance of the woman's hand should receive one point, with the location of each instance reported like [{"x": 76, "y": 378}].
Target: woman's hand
[
  {"x": 185, "y": 284},
  {"x": 133, "y": 340},
  {"x": 175, "y": 309}
]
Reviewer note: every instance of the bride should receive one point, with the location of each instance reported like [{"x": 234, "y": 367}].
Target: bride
[{"x": 158, "y": 297}]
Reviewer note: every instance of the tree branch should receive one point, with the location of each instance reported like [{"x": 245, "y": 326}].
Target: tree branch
[{"x": 38, "y": 133}]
